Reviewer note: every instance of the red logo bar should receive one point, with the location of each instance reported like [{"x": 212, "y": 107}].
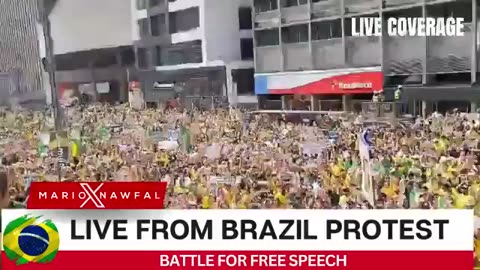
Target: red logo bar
[{"x": 93, "y": 195}]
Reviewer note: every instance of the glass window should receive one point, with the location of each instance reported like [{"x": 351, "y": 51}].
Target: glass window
[
  {"x": 265, "y": 5},
  {"x": 184, "y": 20},
  {"x": 176, "y": 57},
  {"x": 154, "y": 3},
  {"x": 143, "y": 27},
  {"x": 295, "y": 33},
  {"x": 245, "y": 81},
  {"x": 141, "y": 4},
  {"x": 158, "y": 56},
  {"x": 267, "y": 37},
  {"x": 157, "y": 24},
  {"x": 142, "y": 58},
  {"x": 246, "y": 48},
  {"x": 329, "y": 29},
  {"x": 245, "y": 18}
]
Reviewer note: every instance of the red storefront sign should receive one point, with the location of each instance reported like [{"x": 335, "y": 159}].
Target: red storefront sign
[{"x": 325, "y": 83}]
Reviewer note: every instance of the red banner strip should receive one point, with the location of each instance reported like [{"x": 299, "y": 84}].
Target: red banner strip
[{"x": 252, "y": 260}]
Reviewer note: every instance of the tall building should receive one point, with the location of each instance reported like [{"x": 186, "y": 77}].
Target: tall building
[
  {"x": 20, "y": 67},
  {"x": 200, "y": 50},
  {"x": 92, "y": 44},
  {"x": 306, "y": 56}
]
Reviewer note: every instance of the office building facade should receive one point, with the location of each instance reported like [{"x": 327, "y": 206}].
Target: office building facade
[
  {"x": 305, "y": 52},
  {"x": 195, "y": 49},
  {"x": 92, "y": 48},
  {"x": 20, "y": 66}
]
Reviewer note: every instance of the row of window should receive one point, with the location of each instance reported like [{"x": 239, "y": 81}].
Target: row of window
[
  {"x": 267, "y": 5},
  {"x": 460, "y": 9},
  {"x": 180, "y": 21},
  {"x": 260, "y": 5},
  {"x": 143, "y": 4},
  {"x": 300, "y": 33},
  {"x": 184, "y": 20},
  {"x": 182, "y": 53},
  {"x": 329, "y": 29},
  {"x": 192, "y": 15}
]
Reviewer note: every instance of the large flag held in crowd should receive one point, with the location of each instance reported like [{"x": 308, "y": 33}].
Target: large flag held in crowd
[
  {"x": 60, "y": 145},
  {"x": 365, "y": 146}
]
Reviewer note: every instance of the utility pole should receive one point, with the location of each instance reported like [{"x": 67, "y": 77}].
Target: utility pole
[{"x": 50, "y": 66}]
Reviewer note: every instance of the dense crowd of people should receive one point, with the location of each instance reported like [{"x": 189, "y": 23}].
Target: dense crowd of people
[
  {"x": 224, "y": 159},
  {"x": 227, "y": 158}
]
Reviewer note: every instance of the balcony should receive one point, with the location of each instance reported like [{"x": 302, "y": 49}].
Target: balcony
[
  {"x": 157, "y": 7},
  {"x": 185, "y": 36},
  {"x": 400, "y": 59},
  {"x": 267, "y": 19},
  {"x": 268, "y": 59},
  {"x": 272, "y": 16},
  {"x": 324, "y": 9},
  {"x": 450, "y": 54},
  {"x": 363, "y": 51},
  {"x": 328, "y": 54},
  {"x": 295, "y": 14},
  {"x": 177, "y": 5},
  {"x": 297, "y": 56},
  {"x": 141, "y": 14},
  {"x": 361, "y": 6}
]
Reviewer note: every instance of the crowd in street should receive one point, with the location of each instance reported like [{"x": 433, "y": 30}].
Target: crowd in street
[
  {"x": 223, "y": 159},
  {"x": 229, "y": 159}
]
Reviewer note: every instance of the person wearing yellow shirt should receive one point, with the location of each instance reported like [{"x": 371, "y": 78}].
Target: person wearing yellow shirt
[
  {"x": 193, "y": 174},
  {"x": 461, "y": 200},
  {"x": 281, "y": 198},
  {"x": 336, "y": 170},
  {"x": 389, "y": 189},
  {"x": 441, "y": 144},
  {"x": 348, "y": 181},
  {"x": 244, "y": 201},
  {"x": 343, "y": 201},
  {"x": 164, "y": 159},
  {"x": 207, "y": 201},
  {"x": 75, "y": 149}
]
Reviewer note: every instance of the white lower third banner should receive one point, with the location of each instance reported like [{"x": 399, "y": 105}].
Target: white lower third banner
[{"x": 238, "y": 239}]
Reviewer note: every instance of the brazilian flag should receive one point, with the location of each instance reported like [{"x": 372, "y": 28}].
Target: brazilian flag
[
  {"x": 104, "y": 133},
  {"x": 42, "y": 150},
  {"x": 28, "y": 240},
  {"x": 59, "y": 145}
]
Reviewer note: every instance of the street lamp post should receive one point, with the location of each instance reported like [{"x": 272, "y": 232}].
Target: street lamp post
[{"x": 50, "y": 66}]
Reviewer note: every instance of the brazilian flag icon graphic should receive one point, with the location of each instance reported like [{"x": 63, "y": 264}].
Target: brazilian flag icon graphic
[{"x": 29, "y": 240}]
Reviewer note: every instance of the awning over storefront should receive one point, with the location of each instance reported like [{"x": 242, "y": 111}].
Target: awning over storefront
[
  {"x": 440, "y": 93},
  {"x": 205, "y": 81},
  {"x": 339, "y": 81}
]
